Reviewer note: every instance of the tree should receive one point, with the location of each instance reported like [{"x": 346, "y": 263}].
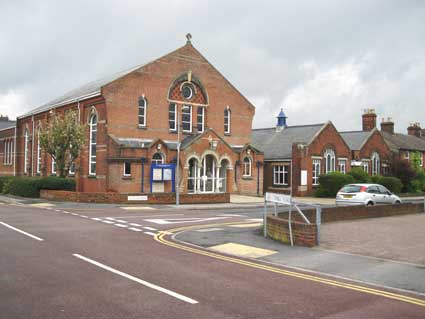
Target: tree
[
  {"x": 404, "y": 171},
  {"x": 62, "y": 138}
]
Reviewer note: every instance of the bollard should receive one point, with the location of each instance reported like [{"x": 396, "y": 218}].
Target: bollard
[{"x": 318, "y": 222}]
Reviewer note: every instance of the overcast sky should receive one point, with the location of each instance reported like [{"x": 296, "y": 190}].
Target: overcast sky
[{"x": 319, "y": 60}]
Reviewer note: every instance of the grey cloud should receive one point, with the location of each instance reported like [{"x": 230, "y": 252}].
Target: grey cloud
[{"x": 304, "y": 53}]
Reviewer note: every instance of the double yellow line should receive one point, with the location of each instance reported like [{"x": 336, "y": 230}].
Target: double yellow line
[{"x": 160, "y": 237}]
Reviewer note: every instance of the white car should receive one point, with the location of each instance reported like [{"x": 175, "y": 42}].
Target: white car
[{"x": 365, "y": 194}]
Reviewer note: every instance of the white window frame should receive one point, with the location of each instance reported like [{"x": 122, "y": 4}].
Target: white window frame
[
  {"x": 92, "y": 158},
  {"x": 26, "y": 142},
  {"x": 247, "y": 164},
  {"x": 227, "y": 121},
  {"x": 11, "y": 151},
  {"x": 156, "y": 161},
  {"x": 329, "y": 156},
  {"x": 202, "y": 115},
  {"x": 187, "y": 107},
  {"x": 53, "y": 168},
  {"x": 124, "y": 170},
  {"x": 174, "y": 120},
  {"x": 279, "y": 175},
  {"x": 342, "y": 166},
  {"x": 407, "y": 155},
  {"x": 365, "y": 166},
  {"x": 317, "y": 163},
  {"x": 38, "y": 164},
  {"x": 145, "y": 106},
  {"x": 376, "y": 164}
]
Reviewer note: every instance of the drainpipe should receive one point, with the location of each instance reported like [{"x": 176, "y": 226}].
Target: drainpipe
[
  {"x": 32, "y": 147},
  {"x": 143, "y": 159},
  {"x": 14, "y": 150},
  {"x": 258, "y": 177}
]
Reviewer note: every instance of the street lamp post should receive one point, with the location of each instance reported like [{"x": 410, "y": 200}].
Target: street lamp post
[{"x": 178, "y": 159}]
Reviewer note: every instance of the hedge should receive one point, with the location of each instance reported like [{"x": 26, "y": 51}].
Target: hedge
[
  {"x": 331, "y": 183},
  {"x": 392, "y": 183},
  {"x": 359, "y": 175},
  {"x": 31, "y": 186}
]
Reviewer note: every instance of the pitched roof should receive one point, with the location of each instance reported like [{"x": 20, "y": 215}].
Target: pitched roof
[
  {"x": 399, "y": 141},
  {"x": 277, "y": 145},
  {"x": 356, "y": 139},
  {"x": 93, "y": 88},
  {"x": 7, "y": 124}
]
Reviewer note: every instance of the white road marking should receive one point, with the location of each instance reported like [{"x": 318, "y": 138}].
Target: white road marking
[
  {"x": 57, "y": 210},
  {"x": 149, "y": 233},
  {"x": 120, "y": 221},
  {"x": 107, "y": 222},
  {"x": 138, "y": 280},
  {"x": 121, "y": 225},
  {"x": 134, "y": 216},
  {"x": 150, "y": 228},
  {"x": 94, "y": 218},
  {"x": 135, "y": 229},
  {"x": 110, "y": 218},
  {"x": 134, "y": 224},
  {"x": 182, "y": 220},
  {"x": 66, "y": 212},
  {"x": 256, "y": 219},
  {"x": 84, "y": 216},
  {"x": 208, "y": 230},
  {"x": 230, "y": 215},
  {"x": 75, "y": 214},
  {"x": 138, "y": 208},
  {"x": 21, "y": 231}
]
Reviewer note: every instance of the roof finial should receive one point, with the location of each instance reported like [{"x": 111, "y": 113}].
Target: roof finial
[{"x": 189, "y": 38}]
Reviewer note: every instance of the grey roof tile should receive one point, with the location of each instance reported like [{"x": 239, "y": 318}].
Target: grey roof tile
[
  {"x": 278, "y": 144},
  {"x": 399, "y": 141},
  {"x": 7, "y": 124},
  {"x": 355, "y": 139}
]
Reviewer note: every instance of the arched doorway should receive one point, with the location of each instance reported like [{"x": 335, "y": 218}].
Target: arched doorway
[
  {"x": 193, "y": 180},
  {"x": 209, "y": 174},
  {"x": 222, "y": 179}
]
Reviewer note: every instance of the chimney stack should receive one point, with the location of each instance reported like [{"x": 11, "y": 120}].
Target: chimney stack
[
  {"x": 369, "y": 119},
  {"x": 414, "y": 129},
  {"x": 388, "y": 125}
]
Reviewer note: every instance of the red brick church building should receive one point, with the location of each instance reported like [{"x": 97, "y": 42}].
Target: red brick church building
[{"x": 132, "y": 122}]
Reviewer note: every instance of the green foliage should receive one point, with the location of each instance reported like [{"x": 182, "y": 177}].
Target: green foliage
[
  {"x": 392, "y": 183},
  {"x": 331, "y": 183},
  {"x": 359, "y": 175},
  {"x": 4, "y": 180},
  {"x": 415, "y": 161},
  {"x": 31, "y": 186},
  {"x": 406, "y": 173},
  {"x": 24, "y": 186},
  {"x": 417, "y": 184},
  {"x": 62, "y": 139}
]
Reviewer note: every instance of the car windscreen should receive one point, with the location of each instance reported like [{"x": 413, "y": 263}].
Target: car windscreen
[{"x": 351, "y": 189}]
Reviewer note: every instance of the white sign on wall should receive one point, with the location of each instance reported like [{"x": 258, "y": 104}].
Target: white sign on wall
[
  {"x": 168, "y": 174},
  {"x": 303, "y": 178},
  {"x": 137, "y": 197},
  {"x": 157, "y": 174}
]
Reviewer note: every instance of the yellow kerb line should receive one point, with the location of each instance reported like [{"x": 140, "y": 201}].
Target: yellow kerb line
[{"x": 160, "y": 238}]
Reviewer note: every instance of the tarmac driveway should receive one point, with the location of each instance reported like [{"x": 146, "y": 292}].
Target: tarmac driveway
[{"x": 400, "y": 238}]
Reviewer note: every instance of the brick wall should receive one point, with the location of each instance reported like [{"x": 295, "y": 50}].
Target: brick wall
[
  {"x": 303, "y": 234},
  {"x": 306, "y": 235},
  {"x": 111, "y": 197}
]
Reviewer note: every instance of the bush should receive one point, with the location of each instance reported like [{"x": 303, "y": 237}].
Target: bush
[
  {"x": 30, "y": 186},
  {"x": 392, "y": 183},
  {"x": 331, "y": 183},
  {"x": 3, "y": 181},
  {"x": 359, "y": 175},
  {"x": 24, "y": 186},
  {"x": 56, "y": 183},
  {"x": 417, "y": 184}
]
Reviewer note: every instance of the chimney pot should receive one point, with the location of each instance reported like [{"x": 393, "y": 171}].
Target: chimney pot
[{"x": 369, "y": 119}]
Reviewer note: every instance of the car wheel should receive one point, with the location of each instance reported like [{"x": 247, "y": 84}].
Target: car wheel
[
  {"x": 370, "y": 204},
  {"x": 397, "y": 202}
]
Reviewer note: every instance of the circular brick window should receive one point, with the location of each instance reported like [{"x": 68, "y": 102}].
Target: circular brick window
[{"x": 187, "y": 92}]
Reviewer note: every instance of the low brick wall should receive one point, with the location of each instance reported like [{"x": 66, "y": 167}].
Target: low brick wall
[
  {"x": 303, "y": 234},
  {"x": 122, "y": 198},
  {"x": 334, "y": 214},
  {"x": 306, "y": 234}
]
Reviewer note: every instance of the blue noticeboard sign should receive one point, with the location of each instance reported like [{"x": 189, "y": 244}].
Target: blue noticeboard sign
[{"x": 163, "y": 173}]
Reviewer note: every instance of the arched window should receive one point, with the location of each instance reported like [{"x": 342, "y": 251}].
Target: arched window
[
  {"x": 227, "y": 120},
  {"x": 157, "y": 158},
  {"x": 247, "y": 166},
  {"x": 92, "y": 144},
  {"x": 376, "y": 164},
  {"x": 329, "y": 160},
  {"x": 142, "y": 111},
  {"x": 26, "y": 142}
]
